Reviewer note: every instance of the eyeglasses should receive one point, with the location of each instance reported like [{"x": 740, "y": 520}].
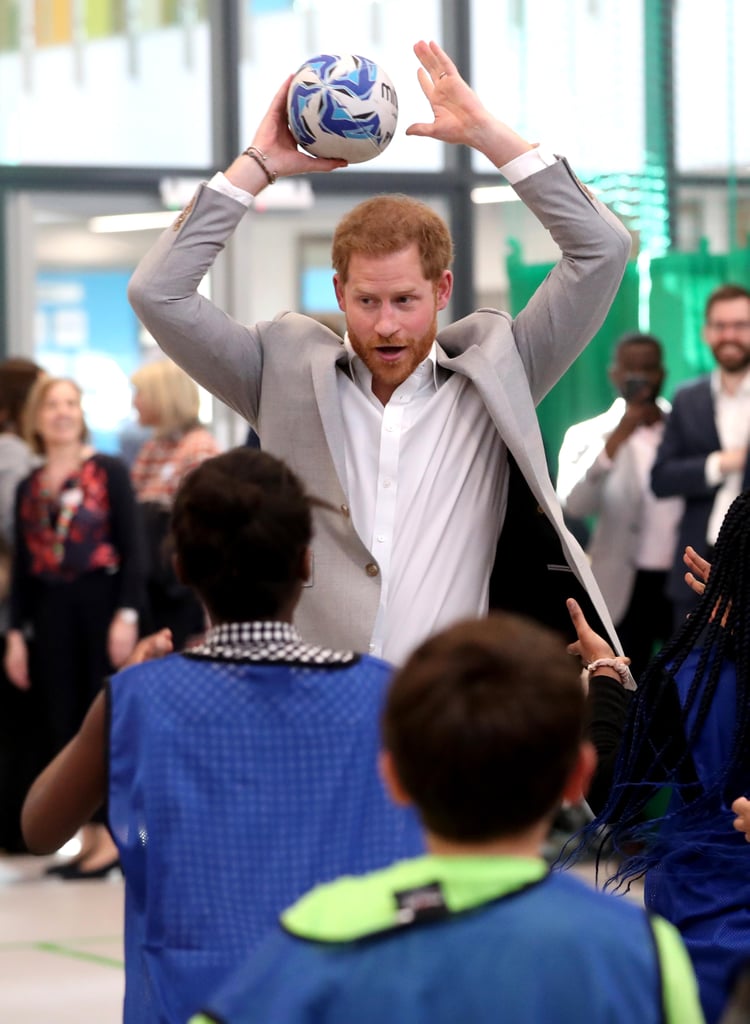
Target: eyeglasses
[{"x": 728, "y": 325}]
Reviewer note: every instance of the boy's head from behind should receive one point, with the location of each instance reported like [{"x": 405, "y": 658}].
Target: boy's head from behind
[
  {"x": 483, "y": 728},
  {"x": 241, "y": 527}
]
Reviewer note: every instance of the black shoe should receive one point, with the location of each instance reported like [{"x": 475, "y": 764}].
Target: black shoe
[
  {"x": 62, "y": 868},
  {"x": 76, "y": 873}
]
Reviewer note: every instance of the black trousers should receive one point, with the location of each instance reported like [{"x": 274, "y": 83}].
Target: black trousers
[
  {"x": 68, "y": 659},
  {"x": 24, "y": 751}
]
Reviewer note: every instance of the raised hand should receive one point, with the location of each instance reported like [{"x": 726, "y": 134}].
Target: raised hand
[
  {"x": 460, "y": 116},
  {"x": 278, "y": 147},
  {"x": 741, "y": 808},
  {"x": 589, "y": 646},
  {"x": 698, "y": 570}
]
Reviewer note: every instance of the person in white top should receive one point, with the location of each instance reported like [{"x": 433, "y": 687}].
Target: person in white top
[
  {"x": 703, "y": 454},
  {"x": 403, "y": 431},
  {"x": 604, "y": 471}
]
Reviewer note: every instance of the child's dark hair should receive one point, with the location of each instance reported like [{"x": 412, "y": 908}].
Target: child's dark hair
[
  {"x": 484, "y": 723},
  {"x": 661, "y": 732},
  {"x": 241, "y": 523}
]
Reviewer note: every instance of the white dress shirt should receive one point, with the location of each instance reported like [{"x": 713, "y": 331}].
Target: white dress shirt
[
  {"x": 427, "y": 482},
  {"x": 660, "y": 517}
]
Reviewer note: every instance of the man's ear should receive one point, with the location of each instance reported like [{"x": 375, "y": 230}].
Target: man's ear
[
  {"x": 444, "y": 289},
  {"x": 339, "y": 289},
  {"x": 391, "y": 781},
  {"x": 579, "y": 777}
]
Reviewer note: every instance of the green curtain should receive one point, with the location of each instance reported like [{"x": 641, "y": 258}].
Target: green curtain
[
  {"x": 585, "y": 389},
  {"x": 680, "y": 282}
]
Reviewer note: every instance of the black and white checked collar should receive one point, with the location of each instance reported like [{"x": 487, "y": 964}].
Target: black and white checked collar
[{"x": 267, "y": 640}]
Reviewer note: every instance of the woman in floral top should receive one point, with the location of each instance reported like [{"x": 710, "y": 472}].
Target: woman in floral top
[
  {"x": 76, "y": 580},
  {"x": 167, "y": 400}
]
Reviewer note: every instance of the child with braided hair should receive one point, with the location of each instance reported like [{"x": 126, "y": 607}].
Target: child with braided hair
[{"x": 687, "y": 733}]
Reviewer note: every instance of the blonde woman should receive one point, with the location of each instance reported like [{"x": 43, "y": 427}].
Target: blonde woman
[
  {"x": 167, "y": 400},
  {"x": 76, "y": 582}
]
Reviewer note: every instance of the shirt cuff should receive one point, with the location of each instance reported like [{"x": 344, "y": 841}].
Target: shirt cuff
[
  {"x": 714, "y": 475},
  {"x": 526, "y": 164},
  {"x": 220, "y": 183}
]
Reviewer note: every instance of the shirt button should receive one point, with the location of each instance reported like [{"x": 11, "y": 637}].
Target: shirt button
[
  {"x": 386, "y": 483},
  {"x": 371, "y": 647},
  {"x": 345, "y": 510},
  {"x": 371, "y": 569},
  {"x": 380, "y": 538}
]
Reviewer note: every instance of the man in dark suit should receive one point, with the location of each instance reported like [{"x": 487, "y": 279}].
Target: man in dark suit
[{"x": 703, "y": 454}]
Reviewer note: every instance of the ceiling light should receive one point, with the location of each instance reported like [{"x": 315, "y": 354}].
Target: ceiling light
[
  {"x": 493, "y": 194},
  {"x": 132, "y": 221}
]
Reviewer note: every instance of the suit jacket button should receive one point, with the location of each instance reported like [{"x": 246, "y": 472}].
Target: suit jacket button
[
  {"x": 371, "y": 569},
  {"x": 345, "y": 510}
]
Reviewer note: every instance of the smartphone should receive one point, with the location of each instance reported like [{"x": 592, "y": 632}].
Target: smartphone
[{"x": 632, "y": 387}]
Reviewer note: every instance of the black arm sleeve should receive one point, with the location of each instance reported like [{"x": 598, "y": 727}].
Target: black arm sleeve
[{"x": 607, "y": 708}]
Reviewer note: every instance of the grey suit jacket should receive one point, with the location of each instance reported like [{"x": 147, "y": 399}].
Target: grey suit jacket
[{"x": 281, "y": 374}]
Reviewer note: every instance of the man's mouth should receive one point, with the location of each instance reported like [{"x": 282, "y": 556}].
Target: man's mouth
[{"x": 390, "y": 352}]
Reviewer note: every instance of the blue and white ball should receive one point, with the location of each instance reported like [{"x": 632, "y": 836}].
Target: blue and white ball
[{"x": 342, "y": 107}]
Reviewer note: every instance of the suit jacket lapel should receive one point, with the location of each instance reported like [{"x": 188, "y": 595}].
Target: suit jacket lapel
[
  {"x": 506, "y": 388},
  {"x": 324, "y": 370},
  {"x": 704, "y": 415}
]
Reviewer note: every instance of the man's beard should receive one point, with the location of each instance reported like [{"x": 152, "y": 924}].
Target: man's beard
[
  {"x": 417, "y": 350},
  {"x": 732, "y": 357}
]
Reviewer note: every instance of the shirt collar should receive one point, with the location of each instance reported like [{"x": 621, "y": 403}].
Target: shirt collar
[
  {"x": 716, "y": 388},
  {"x": 264, "y": 640},
  {"x": 453, "y": 885}
]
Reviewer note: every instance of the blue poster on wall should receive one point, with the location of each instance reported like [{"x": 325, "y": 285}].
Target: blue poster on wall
[{"x": 85, "y": 329}]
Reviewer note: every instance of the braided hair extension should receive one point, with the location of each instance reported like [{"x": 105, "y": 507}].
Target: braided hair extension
[{"x": 661, "y": 733}]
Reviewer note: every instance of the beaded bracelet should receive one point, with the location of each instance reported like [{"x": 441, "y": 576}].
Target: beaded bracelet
[
  {"x": 626, "y": 676},
  {"x": 260, "y": 158}
]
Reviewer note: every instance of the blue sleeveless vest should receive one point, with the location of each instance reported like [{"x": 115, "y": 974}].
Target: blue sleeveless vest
[{"x": 233, "y": 789}]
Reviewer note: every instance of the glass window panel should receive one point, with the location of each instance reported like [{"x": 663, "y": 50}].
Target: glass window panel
[
  {"x": 712, "y": 82},
  {"x": 95, "y": 84},
  {"x": 568, "y": 74},
  {"x": 279, "y": 35}
]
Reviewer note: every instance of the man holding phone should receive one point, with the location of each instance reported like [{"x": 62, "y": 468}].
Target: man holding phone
[{"x": 604, "y": 472}]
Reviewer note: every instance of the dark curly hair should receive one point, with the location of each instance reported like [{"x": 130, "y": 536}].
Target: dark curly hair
[{"x": 240, "y": 525}]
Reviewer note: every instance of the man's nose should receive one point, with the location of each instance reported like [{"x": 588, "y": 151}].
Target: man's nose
[{"x": 387, "y": 323}]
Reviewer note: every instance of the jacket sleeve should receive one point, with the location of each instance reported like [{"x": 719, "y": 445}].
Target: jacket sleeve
[
  {"x": 607, "y": 708},
  {"x": 570, "y": 305},
  {"x": 581, "y": 472},
  {"x": 679, "y": 469},
  {"x": 124, "y": 533},
  {"x": 219, "y": 353}
]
